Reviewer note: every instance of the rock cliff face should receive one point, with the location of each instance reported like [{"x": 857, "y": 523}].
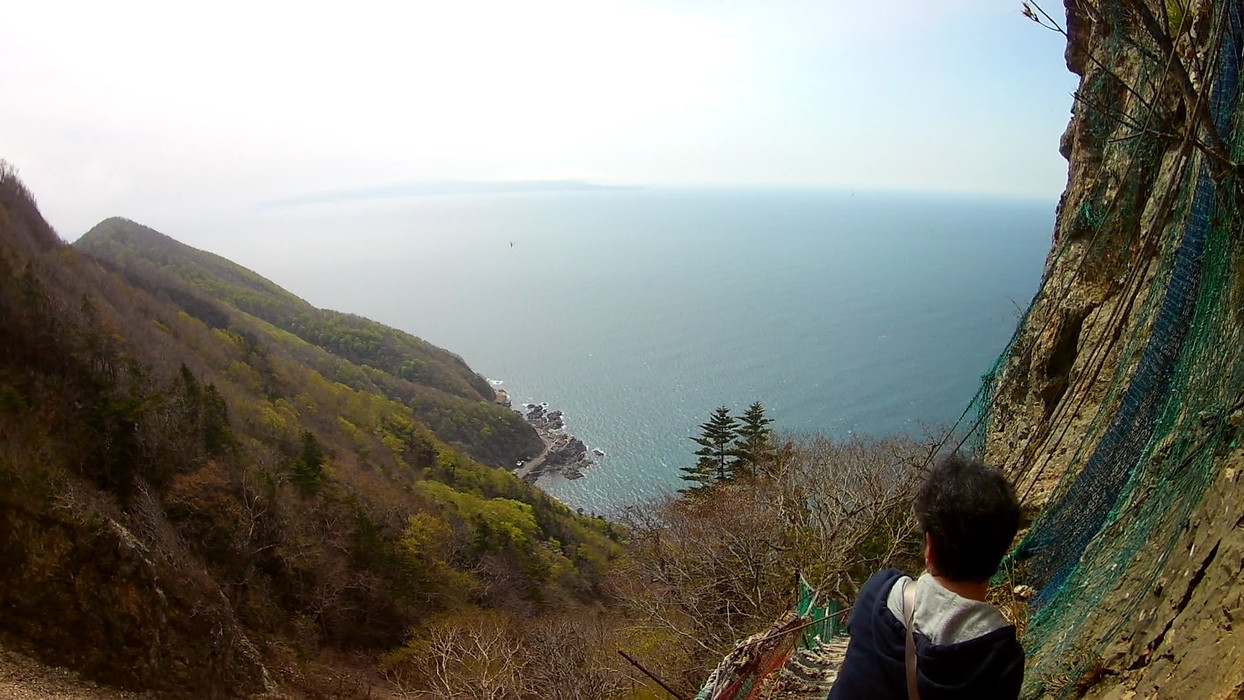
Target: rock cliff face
[
  {"x": 95, "y": 598},
  {"x": 1117, "y": 407}
]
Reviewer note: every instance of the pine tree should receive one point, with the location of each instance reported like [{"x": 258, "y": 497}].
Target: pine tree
[
  {"x": 217, "y": 435},
  {"x": 309, "y": 469},
  {"x": 717, "y": 461},
  {"x": 755, "y": 441},
  {"x": 699, "y": 476}
]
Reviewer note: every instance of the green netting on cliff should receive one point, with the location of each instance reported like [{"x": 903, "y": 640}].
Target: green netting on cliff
[
  {"x": 1148, "y": 454},
  {"x": 1096, "y": 229},
  {"x": 1160, "y": 489}
]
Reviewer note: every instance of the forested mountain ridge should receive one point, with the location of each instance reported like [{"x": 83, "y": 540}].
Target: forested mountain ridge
[
  {"x": 206, "y": 509},
  {"x": 454, "y": 401}
]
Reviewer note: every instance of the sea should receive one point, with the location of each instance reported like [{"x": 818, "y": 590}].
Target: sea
[{"x": 638, "y": 311}]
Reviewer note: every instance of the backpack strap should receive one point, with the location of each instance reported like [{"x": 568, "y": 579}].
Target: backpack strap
[{"x": 909, "y": 610}]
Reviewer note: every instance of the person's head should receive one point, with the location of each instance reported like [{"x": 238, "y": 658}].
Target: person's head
[{"x": 969, "y": 515}]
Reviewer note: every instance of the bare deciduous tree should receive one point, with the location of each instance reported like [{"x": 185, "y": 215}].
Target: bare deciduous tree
[{"x": 703, "y": 573}]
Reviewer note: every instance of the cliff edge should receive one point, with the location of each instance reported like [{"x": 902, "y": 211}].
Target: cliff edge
[{"x": 1117, "y": 407}]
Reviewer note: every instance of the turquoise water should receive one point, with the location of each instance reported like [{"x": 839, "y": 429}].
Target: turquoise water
[{"x": 638, "y": 311}]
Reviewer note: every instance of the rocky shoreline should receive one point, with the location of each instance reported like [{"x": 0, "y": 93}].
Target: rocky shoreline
[{"x": 563, "y": 453}]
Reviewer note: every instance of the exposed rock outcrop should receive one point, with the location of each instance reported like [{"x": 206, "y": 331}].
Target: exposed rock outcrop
[
  {"x": 1117, "y": 407},
  {"x": 564, "y": 454},
  {"x": 125, "y": 615}
]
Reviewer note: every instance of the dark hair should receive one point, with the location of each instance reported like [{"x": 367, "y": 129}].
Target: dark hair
[{"x": 970, "y": 514}]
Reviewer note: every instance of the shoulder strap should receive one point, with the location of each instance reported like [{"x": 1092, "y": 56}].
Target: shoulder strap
[{"x": 909, "y": 610}]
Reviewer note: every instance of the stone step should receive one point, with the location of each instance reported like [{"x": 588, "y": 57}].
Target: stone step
[{"x": 807, "y": 674}]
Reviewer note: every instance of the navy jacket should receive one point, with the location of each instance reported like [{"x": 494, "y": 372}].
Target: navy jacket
[{"x": 990, "y": 666}]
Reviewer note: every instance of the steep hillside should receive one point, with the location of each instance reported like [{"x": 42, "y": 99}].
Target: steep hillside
[
  {"x": 1119, "y": 403},
  {"x": 206, "y": 509},
  {"x": 444, "y": 392}
]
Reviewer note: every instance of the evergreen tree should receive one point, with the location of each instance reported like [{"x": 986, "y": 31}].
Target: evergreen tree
[
  {"x": 755, "y": 441},
  {"x": 717, "y": 460},
  {"x": 700, "y": 476},
  {"x": 309, "y": 469},
  {"x": 204, "y": 414},
  {"x": 217, "y": 435}
]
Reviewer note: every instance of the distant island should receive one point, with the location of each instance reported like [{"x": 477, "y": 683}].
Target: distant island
[{"x": 435, "y": 189}]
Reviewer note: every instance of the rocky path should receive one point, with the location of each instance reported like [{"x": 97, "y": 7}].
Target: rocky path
[
  {"x": 807, "y": 674},
  {"x": 534, "y": 467},
  {"x": 22, "y": 678}
]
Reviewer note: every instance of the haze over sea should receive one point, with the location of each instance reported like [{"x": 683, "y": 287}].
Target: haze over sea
[{"x": 637, "y": 311}]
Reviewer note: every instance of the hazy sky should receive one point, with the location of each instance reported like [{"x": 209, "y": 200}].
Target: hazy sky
[{"x": 166, "y": 111}]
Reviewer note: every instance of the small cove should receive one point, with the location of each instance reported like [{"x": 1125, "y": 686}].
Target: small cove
[{"x": 636, "y": 312}]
